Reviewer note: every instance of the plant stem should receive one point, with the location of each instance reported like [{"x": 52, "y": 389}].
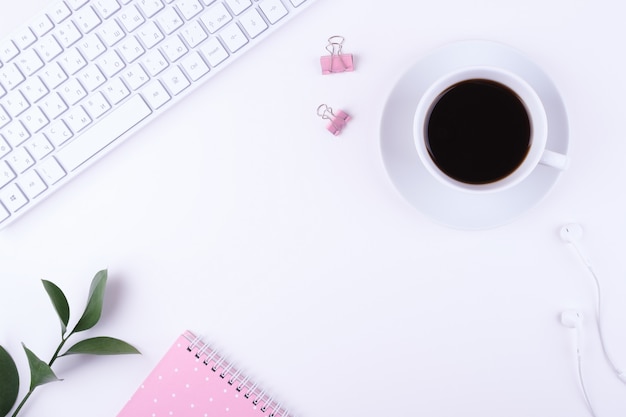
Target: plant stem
[
  {"x": 55, "y": 356},
  {"x": 19, "y": 407}
]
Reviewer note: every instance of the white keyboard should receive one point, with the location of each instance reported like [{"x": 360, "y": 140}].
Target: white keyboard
[{"x": 84, "y": 75}]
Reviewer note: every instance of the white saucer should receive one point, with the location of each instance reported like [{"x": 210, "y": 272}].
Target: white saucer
[{"x": 454, "y": 208}]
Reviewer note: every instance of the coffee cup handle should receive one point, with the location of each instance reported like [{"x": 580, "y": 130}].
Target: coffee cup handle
[{"x": 554, "y": 160}]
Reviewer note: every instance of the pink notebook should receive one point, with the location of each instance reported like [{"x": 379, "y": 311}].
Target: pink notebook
[{"x": 193, "y": 380}]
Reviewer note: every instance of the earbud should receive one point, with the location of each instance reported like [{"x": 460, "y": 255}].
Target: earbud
[
  {"x": 571, "y": 233},
  {"x": 572, "y": 319}
]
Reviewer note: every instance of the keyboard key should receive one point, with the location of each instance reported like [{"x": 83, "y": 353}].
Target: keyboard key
[
  {"x": 32, "y": 184},
  {"x": 155, "y": 94},
  {"x": 59, "y": 12},
  {"x": 253, "y": 23},
  {"x": 76, "y": 4},
  {"x": 4, "y": 213},
  {"x": 150, "y": 34},
  {"x": 67, "y": 33},
  {"x": 214, "y": 52},
  {"x": 86, "y": 19},
  {"x": 10, "y": 76},
  {"x": 102, "y": 134},
  {"x": 20, "y": 160},
  {"x": 53, "y": 75},
  {"x": 25, "y": 38},
  {"x": 175, "y": 80},
  {"x": 15, "y": 133},
  {"x": 216, "y": 17},
  {"x": 72, "y": 61},
  {"x": 96, "y": 105},
  {"x": 4, "y": 117},
  {"x": 4, "y": 147},
  {"x": 194, "y": 66},
  {"x": 91, "y": 77},
  {"x": 91, "y": 46},
  {"x": 110, "y": 63},
  {"x": 48, "y": 48},
  {"x": 50, "y": 171},
  {"x": 174, "y": 48},
  {"x": 131, "y": 18},
  {"x": 154, "y": 62},
  {"x": 6, "y": 174},
  {"x": 238, "y": 6},
  {"x": 150, "y": 7},
  {"x": 13, "y": 198},
  {"x": 131, "y": 49},
  {"x": 34, "y": 89},
  {"x": 135, "y": 76},
  {"x": 29, "y": 62},
  {"x": 116, "y": 91},
  {"x": 274, "y": 10},
  {"x": 111, "y": 33},
  {"x": 169, "y": 20},
  {"x": 8, "y": 51},
  {"x": 194, "y": 34},
  {"x": 72, "y": 92},
  {"x": 34, "y": 120},
  {"x": 38, "y": 146},
  {"x": 188, "y": 8},
  {"x": 233, "y": 37},
  {"x": 53, "y": 105},
  {"x": 77, "y": 119},
  {"x": 106, "y": 8},
  {"x": 15, "y": 103},
  {"x": 41, "y": 25},
  {"x": 58, "y": 133}
]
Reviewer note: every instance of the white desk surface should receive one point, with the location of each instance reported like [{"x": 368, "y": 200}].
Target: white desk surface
[{"x": 238, "y": 216}]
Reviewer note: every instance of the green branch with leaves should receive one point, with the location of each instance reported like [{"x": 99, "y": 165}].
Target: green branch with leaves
[{"x": 41, "y": 372}]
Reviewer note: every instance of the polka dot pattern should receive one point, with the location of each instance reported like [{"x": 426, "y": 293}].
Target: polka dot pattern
[{"x": 183, "y": 385}]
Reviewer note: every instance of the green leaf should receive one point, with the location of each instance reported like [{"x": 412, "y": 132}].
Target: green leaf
[
  {"x": 40, "y": 372},
  {"x": 9, "y": 382},
  {"x": 93, "y": 310},
  {"x": 102, "y": 346},
  {"x": 59, "y": 301}
]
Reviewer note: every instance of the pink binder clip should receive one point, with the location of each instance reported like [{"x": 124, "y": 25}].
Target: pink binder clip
[
  {"x": 337, "y": 121},
  {"x": 336, "y": 61}
]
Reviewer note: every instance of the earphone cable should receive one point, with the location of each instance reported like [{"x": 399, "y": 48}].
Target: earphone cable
[
  {"x": 582, "y": 380},
  {"x": 598, "y": 315}
]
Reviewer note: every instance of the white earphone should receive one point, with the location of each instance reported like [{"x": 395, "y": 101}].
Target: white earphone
[
  {"x": 572, "y": 319},
  {"x": 572, "y": 234}
]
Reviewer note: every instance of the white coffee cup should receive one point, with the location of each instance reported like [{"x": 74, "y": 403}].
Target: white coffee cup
[{"x": 506, "y": 81}]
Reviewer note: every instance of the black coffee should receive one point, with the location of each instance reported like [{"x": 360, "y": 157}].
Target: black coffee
[{"x": 478, "y": 131}]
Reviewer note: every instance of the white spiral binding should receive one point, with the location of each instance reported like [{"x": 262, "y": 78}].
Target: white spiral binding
[
  {"x": 232, "y": 380},
  {"x": 216, "y": 362}
]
